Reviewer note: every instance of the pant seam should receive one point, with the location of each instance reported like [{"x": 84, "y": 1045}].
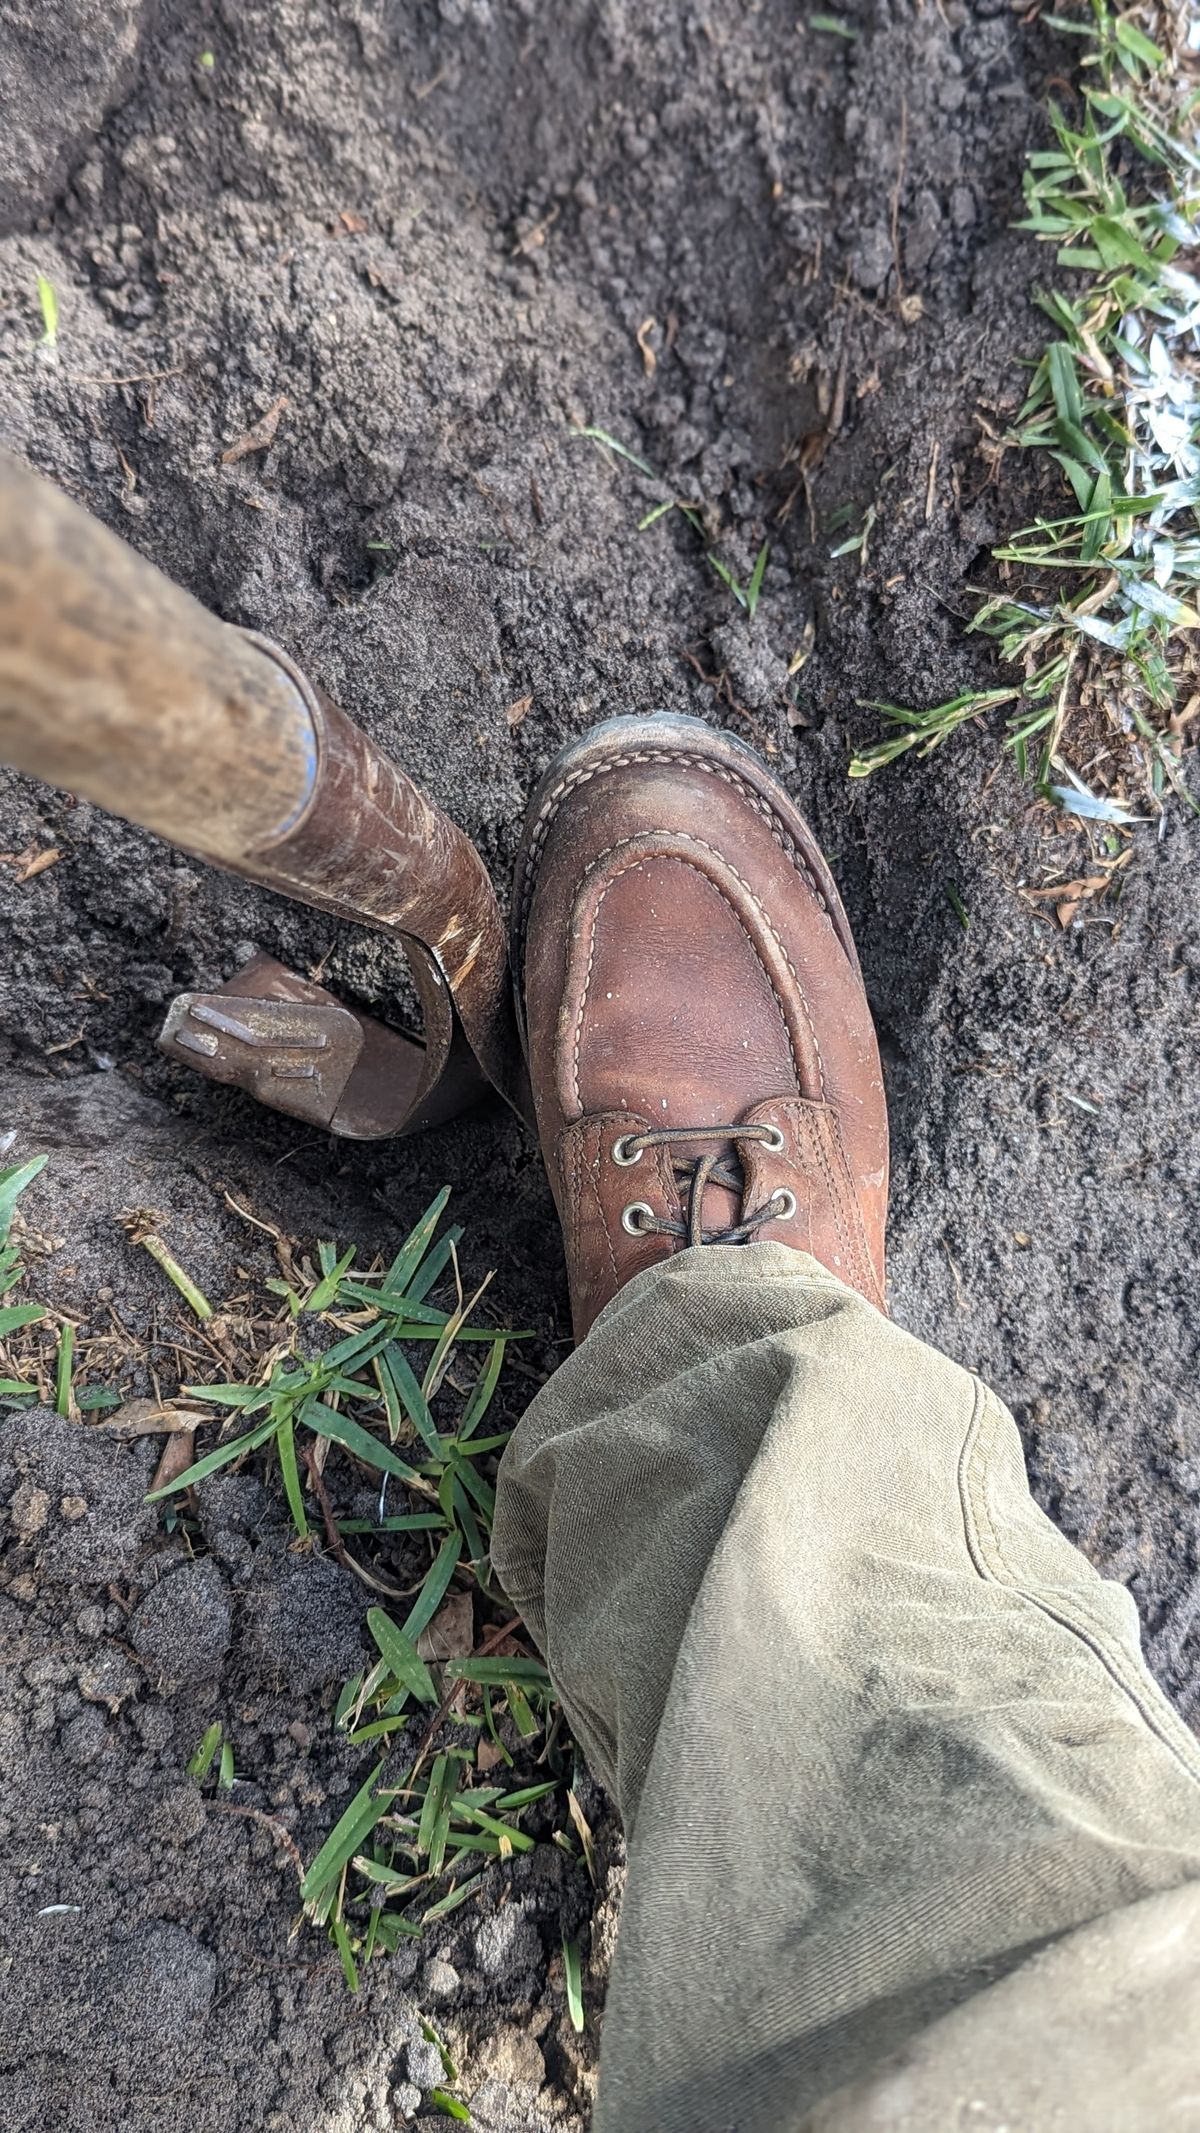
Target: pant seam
[{"x": 991, "y": 1561}]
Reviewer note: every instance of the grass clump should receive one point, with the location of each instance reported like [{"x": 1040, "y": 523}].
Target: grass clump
[
  {"x": 453, "y": 1685},
  {"x": 360, "y": 1374},
  {"x": 14, "y": 1316},
  {"x": 12, "y": 1184},
  {"x": 1096, "y": 604}
]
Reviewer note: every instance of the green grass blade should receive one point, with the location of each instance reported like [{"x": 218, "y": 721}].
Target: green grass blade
[
  {"x": 347, "y": 1836},
  {"x": 12, "y": 1184},
  {"x": 325, "y": 1422},
  {"x": 452, "y": 1902},
  {"x": 213, "y": 1461},
  {"x": 435, "y": 1587},
  {"x": 449, "y": 2106},
  {"x": 754, "y": 588},
  {"x": 435, "y": 1266},
  {"x": 285, "y": 1444},
  {"x": 412, "y": 1399},
  {"x": 65, "y": 1370},
  {"x": 14, "y": 1315},
  {"x": 520, "y": 1711},
  {"x": 342, "y": 1941},
  {"x": 434, "y": 1826},
  {"x": 481, "y": 1394},
  {"x": 400, "y": 1653},
  {"x": 48, "y": 306},
  {"x": 245, "y": 1397},
  {"x": 415, "y": 1246},
  {"x": 599, "y": 436},
  {"x": 573, "y": 1974},
  {"x": 201, "y": 1760},
  {"x": 500, "y": 1671}
]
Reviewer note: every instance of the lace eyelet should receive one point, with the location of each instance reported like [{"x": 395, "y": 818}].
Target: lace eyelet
[
  {"x": 620, "y": 1151},
  {"x": 787, "y": 1208},
  {"x": 635, "y": 1207},
  {"x": 777, "y": 1144}
]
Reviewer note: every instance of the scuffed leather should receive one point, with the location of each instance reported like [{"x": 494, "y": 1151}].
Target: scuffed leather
[{"x": 687, "y": 962}]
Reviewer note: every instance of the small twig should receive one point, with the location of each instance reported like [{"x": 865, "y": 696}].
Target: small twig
[
  {"x": 931, "y": 484},
  {"x": 448, "y": 1702},
  {"x": 138, "y": 377},
  {"x": 269, "y": 1229},
  {"x": 427, "y": 88},
  {"x": 258, "y": 1814},
  {"x": 336, "y": 1545},
  {"x": 897, "y": 189}
]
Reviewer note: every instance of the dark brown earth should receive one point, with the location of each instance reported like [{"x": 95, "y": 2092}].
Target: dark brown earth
[{"x": 438, "y": 229}]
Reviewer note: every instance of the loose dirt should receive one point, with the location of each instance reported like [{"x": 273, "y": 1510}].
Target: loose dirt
[{"x": 438, "y": 241}]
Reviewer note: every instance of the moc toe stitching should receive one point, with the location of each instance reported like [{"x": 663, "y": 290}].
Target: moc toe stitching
[
  {"x": 688, "y": 758},
  {"x": 660, "y": 857}
]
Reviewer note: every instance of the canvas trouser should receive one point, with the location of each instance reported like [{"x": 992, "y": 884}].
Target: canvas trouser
[{"x": 878, "y": 1733}]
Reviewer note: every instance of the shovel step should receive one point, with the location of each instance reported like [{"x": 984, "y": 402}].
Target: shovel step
[{"x": 295, "y": 1055}]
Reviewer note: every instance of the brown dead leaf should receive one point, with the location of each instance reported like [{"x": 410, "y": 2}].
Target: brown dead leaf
[
  {"x": 451, "y": 1634},
  {"x": 1068, "y": 897},
  {"x": 31, "y": 863},
  {"x": 518, "y": 712},
  {"x": 487, "y": 1755},
  {"x": 803, "y": 652},
  {"x": 353, "y": 224},
  {"x": 649, "y": 359},
  {"x": 147, "y": 1418},
  {"x": 583, "y": 1830},
  {"x": 177, "y": 1455},
  {"x": 1080, "y": 889},
  {"x": 259, "y": 437}
]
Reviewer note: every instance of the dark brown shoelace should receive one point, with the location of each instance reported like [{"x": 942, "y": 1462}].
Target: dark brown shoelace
[{"x": 694, "y": 1175}]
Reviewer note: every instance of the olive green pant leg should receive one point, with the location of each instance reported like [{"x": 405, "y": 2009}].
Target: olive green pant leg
[{"x": 877, "y": 1731}]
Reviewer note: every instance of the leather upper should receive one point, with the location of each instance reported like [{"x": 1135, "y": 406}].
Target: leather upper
[{"x": 684, "y": 961}]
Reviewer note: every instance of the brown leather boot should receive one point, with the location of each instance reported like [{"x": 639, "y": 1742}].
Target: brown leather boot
[{"x": 702, "y": 1054}]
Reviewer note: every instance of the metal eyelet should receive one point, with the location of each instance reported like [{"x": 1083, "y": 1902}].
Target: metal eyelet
[
  {"x": 635, "y": 1207},
  {"x": 787, "y": 1208},
  {"x": 777, "y": 1144},
  {"x": 620, "y": 1152}
]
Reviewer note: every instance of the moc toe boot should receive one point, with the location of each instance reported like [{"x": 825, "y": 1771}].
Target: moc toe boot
[{"x": 701, "y": 1050}]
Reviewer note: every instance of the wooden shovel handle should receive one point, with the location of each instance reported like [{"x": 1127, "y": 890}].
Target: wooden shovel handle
[{"x": 118, "y": 685}]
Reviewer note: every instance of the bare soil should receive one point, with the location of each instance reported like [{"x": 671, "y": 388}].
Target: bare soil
[{"x": 778, "y": 265}]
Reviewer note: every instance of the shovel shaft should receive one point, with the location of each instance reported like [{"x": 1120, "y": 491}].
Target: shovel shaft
[{"x": 117, "y": 684}]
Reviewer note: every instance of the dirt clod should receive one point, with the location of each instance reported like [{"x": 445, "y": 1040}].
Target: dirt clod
[{"x": 181, "y": 1630}]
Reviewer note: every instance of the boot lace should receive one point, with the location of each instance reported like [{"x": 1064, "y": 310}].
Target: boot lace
[{"x": 694, "y": 1174}]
